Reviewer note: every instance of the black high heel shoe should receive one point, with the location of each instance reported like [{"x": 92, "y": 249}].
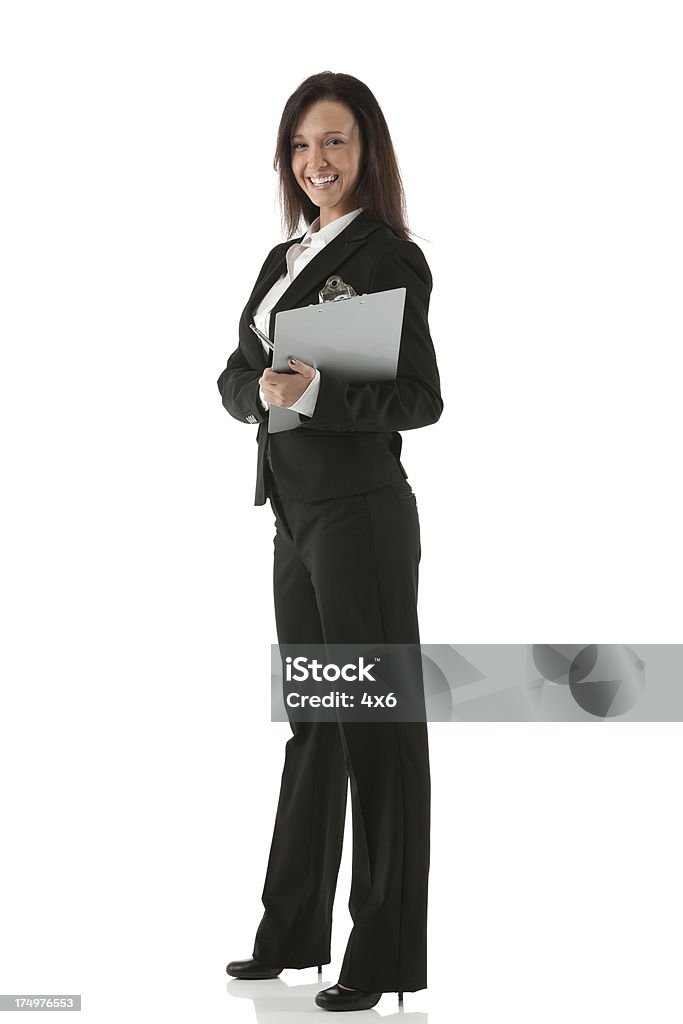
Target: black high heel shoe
[
  {"x": 252, "y": 970},
  {"x": 337, "y": 998}
]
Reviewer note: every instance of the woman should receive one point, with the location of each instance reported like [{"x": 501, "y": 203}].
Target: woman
[{"x": 346, "y": 549}]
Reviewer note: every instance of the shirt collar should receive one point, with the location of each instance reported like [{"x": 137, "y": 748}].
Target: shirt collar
[{"x": 317, "y": 237}]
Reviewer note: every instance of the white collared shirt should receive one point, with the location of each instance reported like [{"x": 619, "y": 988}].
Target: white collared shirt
[{"x": 297, "y": 256}]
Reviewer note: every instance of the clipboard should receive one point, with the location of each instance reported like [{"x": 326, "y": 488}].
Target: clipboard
[{"x": 356, "y": 339}]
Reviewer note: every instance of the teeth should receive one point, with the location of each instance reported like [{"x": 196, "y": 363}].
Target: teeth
[{"x": 321, "y": 181}]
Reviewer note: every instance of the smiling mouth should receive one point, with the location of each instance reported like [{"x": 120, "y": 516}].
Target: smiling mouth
[{"x": 324, "y": 182}]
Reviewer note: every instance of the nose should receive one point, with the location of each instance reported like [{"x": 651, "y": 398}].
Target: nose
[{"x": 316, "y": 161}]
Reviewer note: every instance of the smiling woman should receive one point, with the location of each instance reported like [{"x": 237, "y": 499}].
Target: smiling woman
[
  {"x": 326, "y": 161},
  {"x": 332, "y": 124},
  {"x": 346, "y": 549}
]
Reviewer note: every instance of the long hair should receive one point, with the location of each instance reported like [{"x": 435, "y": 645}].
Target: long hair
[{"x": 379, "y": 189}]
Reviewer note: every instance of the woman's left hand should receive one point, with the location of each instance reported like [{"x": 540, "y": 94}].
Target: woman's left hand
[{"x": 284, "y": 389}]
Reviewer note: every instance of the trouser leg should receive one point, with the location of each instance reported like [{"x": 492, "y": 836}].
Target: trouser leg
[
  {"x": 306, "y": 846},
  {"x": 363, "y": 551}
]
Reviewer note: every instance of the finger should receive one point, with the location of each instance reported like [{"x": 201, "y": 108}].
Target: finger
[{"x": 301, "y": 367}]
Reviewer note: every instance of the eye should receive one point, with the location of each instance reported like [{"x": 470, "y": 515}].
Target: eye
[{"x": 295, "y": 145}]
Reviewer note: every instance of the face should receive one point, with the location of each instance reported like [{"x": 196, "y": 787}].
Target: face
[{"x": 326, "y": 141}]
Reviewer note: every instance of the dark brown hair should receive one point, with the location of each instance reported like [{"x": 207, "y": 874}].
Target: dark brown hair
[{"x": 379, "y": 190}]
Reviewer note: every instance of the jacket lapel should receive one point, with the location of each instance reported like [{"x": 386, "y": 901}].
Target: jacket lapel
[{"x": 325, "y": 263}]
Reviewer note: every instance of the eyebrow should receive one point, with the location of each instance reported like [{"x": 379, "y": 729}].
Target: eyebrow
[{"x": 332, "y": 131}]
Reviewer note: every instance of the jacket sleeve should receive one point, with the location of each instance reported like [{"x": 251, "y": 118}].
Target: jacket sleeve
[
  {"x": 414, "y": 398},
  {"x": 239, "y": 389},
  {"x": 239, "y": 382}
]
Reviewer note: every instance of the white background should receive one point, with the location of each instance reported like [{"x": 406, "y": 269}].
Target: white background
[{"x": 540, "y": 148}]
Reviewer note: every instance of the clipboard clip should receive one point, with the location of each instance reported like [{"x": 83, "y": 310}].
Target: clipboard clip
[{"x": 335, "y": 289}]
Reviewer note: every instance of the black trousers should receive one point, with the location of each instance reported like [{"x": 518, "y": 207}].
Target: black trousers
[{"x": 346, "y": 571}]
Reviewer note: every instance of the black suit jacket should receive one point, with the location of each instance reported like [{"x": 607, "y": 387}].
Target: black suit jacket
[{"x": 351, "y": 443}]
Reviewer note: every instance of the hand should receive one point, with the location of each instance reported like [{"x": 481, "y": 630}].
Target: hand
[{"x": 284, "y": 389}]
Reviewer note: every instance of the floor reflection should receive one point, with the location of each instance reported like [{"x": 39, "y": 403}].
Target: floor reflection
[{"x": 276, "y": 1002}]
